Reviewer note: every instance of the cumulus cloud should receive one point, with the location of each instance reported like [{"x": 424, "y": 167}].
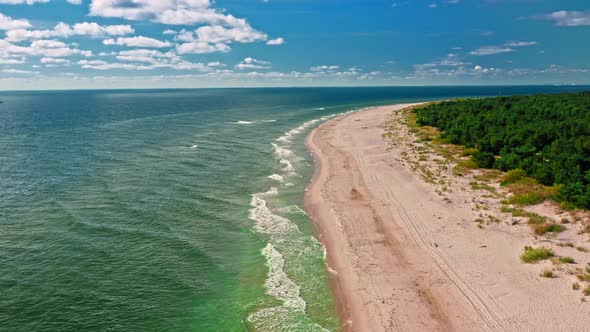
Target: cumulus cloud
[
  {"x": 506, "y": 48},
  {"x": 158, "y": 60},
  {"x": 20, "y": 2},
  {"x": 200, "y": 48},
  {"x": 53, "y": 60},
  {"x": 42, "y": 48},
  {"x": 8, "y": 23},
  {"x": 564, "y": 18},
  {"x": 147, "y": 56},
  {"x": 324, "y": 68},
  {"x": 251, "y": 63},
  {"x": 18, "y": 71},
  {"x": 137, "y": 41},
  {"x": 10, "y": 61},
  {"x": 520, "y": 43},
  {"x": 277, "y": 41},
  {"x": 218, "y": 31},
  {"x": 491, "y": 50},
  {"x": 174, "y": 12},
  {"x": 63, "y": 30}
]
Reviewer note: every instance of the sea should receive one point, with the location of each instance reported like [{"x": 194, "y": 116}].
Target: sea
[{"x": 171, "y": 210}]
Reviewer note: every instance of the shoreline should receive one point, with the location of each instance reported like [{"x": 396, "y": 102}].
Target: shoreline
[{"x": 402, "y": 256}]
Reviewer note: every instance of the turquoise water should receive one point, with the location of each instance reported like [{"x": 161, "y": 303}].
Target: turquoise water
[{"x": 169, "y": 210}]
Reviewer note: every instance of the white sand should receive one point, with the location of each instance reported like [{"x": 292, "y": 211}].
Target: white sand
[{"x": 404, "y": 259}]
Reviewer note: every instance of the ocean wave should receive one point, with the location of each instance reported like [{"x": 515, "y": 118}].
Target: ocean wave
[
  {"x": 276, "y": 177},
  {"x": 278, "y": 283},
  {"x": 288, "y": 168},
  {"x": 246, "y": 122},
  {"x": 282, "y": 152},
  {"x": 266, "y": 222}
]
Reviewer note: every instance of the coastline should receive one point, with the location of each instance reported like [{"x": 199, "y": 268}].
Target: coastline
[{"x": 403, "y": 257}]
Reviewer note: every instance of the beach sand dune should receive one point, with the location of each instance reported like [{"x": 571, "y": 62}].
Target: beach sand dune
[{"x": 403, "y": 259}]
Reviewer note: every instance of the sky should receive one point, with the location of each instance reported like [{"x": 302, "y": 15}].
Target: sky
[{"x": 94, "y": 44}]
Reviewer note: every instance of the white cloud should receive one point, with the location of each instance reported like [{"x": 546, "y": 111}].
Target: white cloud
[
  {"x": 490, "y": 50},
  {"x": 148, "y": 56},
  {"x": 137, "y": 41},
  {"x": 220, "y": 29},
  {"x": 506, "y": 48},
  {"x": 8, "y": 23},
  {"x": 174, "y": 12},
  {"x": 75, "y": 2},
  {"x": 564, "y": 18},
  {"x": 169, "y": 32},
  {"x": 63, "y": 30},
  {"x": 9, "y": 61},
  {"x": 18, "y": 71},
  {"x": 277, "y": 41},
  {"x": 200, "y": 47},
  {"x": 20, "y": 2},
  {"x": 324, "y": 68},
  {"x": 520, "y": 43},
  {"x": 42, "y": 48},
  {"x": 54, "y": 60},
  {"x": 251, "y": 63},
  {"x": 215, "y": 64},
  {"x": 160, "y": 60}
]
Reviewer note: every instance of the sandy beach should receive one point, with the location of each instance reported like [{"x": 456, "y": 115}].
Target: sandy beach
[{"x": 404, "y": 257}]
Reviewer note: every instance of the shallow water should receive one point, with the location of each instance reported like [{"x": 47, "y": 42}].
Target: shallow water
[{"x": 169, "y": 210}]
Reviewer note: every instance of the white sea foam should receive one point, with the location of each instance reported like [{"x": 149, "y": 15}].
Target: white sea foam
[
  {"x": 288, "y": 168},
  {"x": 320, "y": 108},
  {"x": 245, "y": 122},
  {"x": 194, "y": 146},
  {"x": 265, "y": 221},
  {"x": 276, "y": 177},
  {"x": 280, "y": 230},
  {"x": 278, "y": 283},
  {"x": 282, "y": 152}
]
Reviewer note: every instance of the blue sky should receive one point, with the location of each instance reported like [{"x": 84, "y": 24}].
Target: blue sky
[{"x": 60, "y": 44}]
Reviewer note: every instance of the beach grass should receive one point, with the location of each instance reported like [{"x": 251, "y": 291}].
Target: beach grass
[{"x": 533, "y": 255}]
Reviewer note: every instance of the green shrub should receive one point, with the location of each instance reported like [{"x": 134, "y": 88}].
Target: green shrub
[
  {"x": 541, "y": 229},
  {"x": 513, "y": 176},
  {"x": 533, "y": 255},
  {"x": 567, "y": 260},
  {"x": 483, "y": 159}
]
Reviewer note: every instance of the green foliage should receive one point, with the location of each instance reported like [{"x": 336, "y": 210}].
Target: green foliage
[
  {"x": 513, "y": 176},
  {"x": 531, "y": 198},
  {"x": 483, "y": 159},
  {"x": 567, "y": 260},
  {"x": 541, "y": 229},
  {"x": 533, "y": 255},
  {"x": 546, "y": 137},
  {"x": 468, "y": 152}
]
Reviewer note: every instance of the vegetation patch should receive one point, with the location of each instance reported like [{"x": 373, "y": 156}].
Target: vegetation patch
[
  {"x": 567, "y": 260},
  {"x": 547, "y": 273},
  {"x": 513, "y": 176},
  {"x": 546, "y": 137},
  {"x": 533, "y": 255},
  {"x": 541, "y": 229}
]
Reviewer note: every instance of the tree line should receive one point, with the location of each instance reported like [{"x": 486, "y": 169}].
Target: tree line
[{"x": 547, "y": 136}]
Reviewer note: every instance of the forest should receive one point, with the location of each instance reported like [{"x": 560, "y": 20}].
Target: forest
[{"x": 547, "y": 136}]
